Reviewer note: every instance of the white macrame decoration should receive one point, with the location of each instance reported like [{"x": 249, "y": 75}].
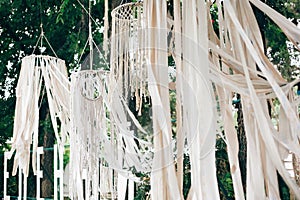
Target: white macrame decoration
[
  {"x": 240, "y": 49},
  {"x": 127, "y": 63},
  {"x": 163, "y": 166},
  {"x": 108, "y": 145},
  {"x": 100, "y": 137},
  {"x": 34, "y": 70},
  {"x": 87, "y": 120},
  {"x": 102, "y": 124},
  {"x": 210, "y": 68},
  {"x": 198, "y": 106}
]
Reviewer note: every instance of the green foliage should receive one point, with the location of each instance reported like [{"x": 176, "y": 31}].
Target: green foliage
[
  {"x": 214, "y": 17},
  {"x": 143, "y": 187},
  {"x": 284, "y": 189},
  {"x": 12, "y": 183},
  {"x": 66, "y": 156},
  {"x": 223, "y": 171},
  {"x": 187, "y": 175},
  {"x": 276, "y": 40}
]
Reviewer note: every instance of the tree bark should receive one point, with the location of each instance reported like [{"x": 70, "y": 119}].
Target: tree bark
[
  {"x": 242, "y": 155},
  {"x": 47, "y": 158},
  {"x": 296, "y": 165}
]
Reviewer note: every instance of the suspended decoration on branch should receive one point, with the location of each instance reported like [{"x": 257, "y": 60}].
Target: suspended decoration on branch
[
  {"x": 34, "y": 70},
  {"x": 127, "y": 55},
  {"x": 87, "y": 120},
  {"x": 39, "y": 73},
  {"x": 101, "y": 135}
]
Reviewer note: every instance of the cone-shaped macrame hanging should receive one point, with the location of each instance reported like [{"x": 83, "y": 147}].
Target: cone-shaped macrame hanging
[{"x": 34, "y": 70}]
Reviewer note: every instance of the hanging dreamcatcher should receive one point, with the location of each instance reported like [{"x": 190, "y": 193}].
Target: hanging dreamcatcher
[
  {"x": 127, "y": 52},
  {"x": 103, "y": 146}
]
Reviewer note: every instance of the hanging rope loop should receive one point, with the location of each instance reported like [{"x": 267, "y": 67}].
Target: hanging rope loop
[{"x": 40, "y": 41}]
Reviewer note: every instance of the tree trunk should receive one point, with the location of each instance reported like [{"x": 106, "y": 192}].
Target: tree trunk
[
  {"x": 242, "y": 141},
  {"x": 47, "y": 158},
  {"x": 296, "y": 165}
]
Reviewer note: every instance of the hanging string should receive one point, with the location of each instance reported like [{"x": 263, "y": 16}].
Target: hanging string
[
  {"x": 106, "y": 27},
  {"x": 50, "y": 46},
  {"x": 90, "y": 37},
  {"x": 42, "y": 36},
  {"x": 100, "y": 53},
  {"x": 82, "y": 52},
  {"x": 39, "y": 38},
  {"x": 97, "y": 23},
  {"x": 41, "y": 26}
]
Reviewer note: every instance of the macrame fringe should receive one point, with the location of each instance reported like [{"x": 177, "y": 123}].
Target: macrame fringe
[
  {"x": 35, "y": 69},
  {"x": 107, "y": 143}
]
